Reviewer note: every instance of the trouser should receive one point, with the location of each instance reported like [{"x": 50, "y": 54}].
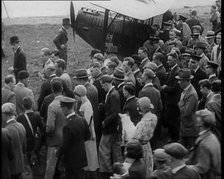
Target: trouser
[
  {"x": 109, "y": 151},
  {"x": 51, "y": 162},
  {"x": 17, "y": 176},
  {"x": 71, "y": 174}
]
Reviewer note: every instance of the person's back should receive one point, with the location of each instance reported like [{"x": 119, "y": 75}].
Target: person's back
[{"x": 8, "y": 95}]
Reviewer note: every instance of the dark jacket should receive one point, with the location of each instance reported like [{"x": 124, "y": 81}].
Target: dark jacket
[
  {"x": 130, "y": 106},
  {"x": 137, "y": 170},
  {"x": 112, "y": 108},
  {"x": 138, "y": 79},
  {"x": 75, "y": 133},
  {"x": 101, "y": 91},
  {"x": 19, "y": 61},
  {"x": 161, "y": 74},
  {"x": 45, "y": 90}
]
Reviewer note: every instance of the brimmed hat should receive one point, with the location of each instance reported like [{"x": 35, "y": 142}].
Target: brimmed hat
[
  {"x": 80, "y": 90},
  {"x": 206, "y": 116},
  {"x": 195, "y": 57},
  {"x": 95, "y": 65},
  {"x": 201, "y": 45},
  {"x": 65, "y": 99},
  {"x": 14, "y": 39},
  {"x": 112, "y": 49},
  {"x": 186, "y": 54},
  {"x": 183, "y": 18},
  {"x": 118, "y": 74},
  {"x": 184, "y": 74},
  {"x": 160, "y": 155},
  {"x": 23, "y": 75},
  {"x": 66, "y": 21},
  {"x": 212, "y": 64},
  {"x": 8, "y": 108},
  {"x": 210, "y": 34},
  {"x": 82, "y": 73},
  {"x": 106, "y": 79},
  {"x": 176, "y": 150},
  {"x": 145, "y": 104},
  {"x": 137, "y": 59}
]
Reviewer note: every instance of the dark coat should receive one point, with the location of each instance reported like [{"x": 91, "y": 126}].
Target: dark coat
[
  {"x": 7, "y": 154},
  {"x": 161, "y": 74},
  {"x": 199, "y": 75},
  {"x": 130, "y": 106},
  {"x": 137, "y": 170},
  {"x": 112, "y": 108},
  {"x": 35, "y": 121},
  {"x": 19, "y": 61},
  {"x": 138, "y": 79},
  {"x": 186, "y": 173},
  {"x": 17, "y": 134},
  {"x": 59, "y": 39},
  {"x": 8, "y": 96},
  {"x": 75, "y": 133},
  {"x": 101, "y": 91}
]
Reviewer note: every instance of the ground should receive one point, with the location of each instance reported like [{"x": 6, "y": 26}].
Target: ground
[{"x": 37, "y": 33}]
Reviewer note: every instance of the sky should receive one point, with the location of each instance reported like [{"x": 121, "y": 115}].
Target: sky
[{"x": 58, "y": 8}]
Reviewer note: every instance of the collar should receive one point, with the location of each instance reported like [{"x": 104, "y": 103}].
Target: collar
[
  {"x": 148, "y": 84},
  {"x": 196, "y": 69},
  {"x": 63, "y": 28},
  {"x": 160, "y": 65},
  {"x": 71, "y": 114},
  {"x": 110, "y": 90},
  {"x": 28, "y": 111},
  {"x": 202, "y": 55},
  {"x": 202, "y": 132},
  {"x": 144, "y": 60},
  {"x": 173, "y": 67},
  {"x": 118, "y": 86},
  {"x": 59, "y": 96},
  {"x": 12, "y": 119},
  {"x": 130, "y": 98},
  {"x": 176, "y": 169},
  {"x": 209, "y": 94},
  {"x": 185, "y": 89},
  {"x": 97, "y": 76},
  {"x": 212, "y": 75},
  {"x": 20, "y": 84},
  {"x": 157, "y": 49},
  {"x": 136, "y": 71}
]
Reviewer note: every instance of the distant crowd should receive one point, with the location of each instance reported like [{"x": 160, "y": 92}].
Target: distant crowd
[{"x": 153, "y": 114}]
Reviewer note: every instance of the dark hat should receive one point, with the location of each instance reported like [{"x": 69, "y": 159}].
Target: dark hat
[
  {"x": 66, "y": 99},
  {"x": 14, "y": 39},
  {"x": 204, "y": 82},
  {"x": 184, "y": 74},
  {"x": 183, "y": 18},
  {"x": 118, "y": 74},
  {"x": 93, "y": 52},
  {"x": 176, "y": 150},
  {"x": 112, "y": 49},
  {"x": 167, "y": 23},
  {"x": 66, "y": 21},
  {"x": 212, "y": 64},
  {"x": 82, "y": 73},
  {"x": 201, "y": 45},
  {"x": 23, "y": 75},
  {"x": 195, "y": 57},
  {"x": 210, "y": 34},
  {"x": 160, "y": 155},
  {"x": 137, "y": 59},
  {"x": 106, "y": 79}
]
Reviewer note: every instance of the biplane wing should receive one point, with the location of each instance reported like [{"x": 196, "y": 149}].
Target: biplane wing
[{"x": 138, "y": 9}]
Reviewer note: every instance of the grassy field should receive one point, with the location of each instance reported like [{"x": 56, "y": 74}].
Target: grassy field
[{"x": 38, "y": 32}]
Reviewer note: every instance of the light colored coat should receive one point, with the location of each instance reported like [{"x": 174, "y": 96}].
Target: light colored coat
[{"x": 8, "y": 96}]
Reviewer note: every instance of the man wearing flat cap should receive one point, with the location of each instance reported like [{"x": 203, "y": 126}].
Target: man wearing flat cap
[
  {"x": 211, "y": 70},
  {"x": 177, "y": 154},
  {"x": 17, "y": 134},
  {"x": 21, "y": 90},
  {"x": 188, "y": 106},
  {"x": 200, "y": 49},
  {"x": 75, "y": 133},
  {"x": 19, "y": 63},
  {"x": 61, "y": 39},
  {"x": 206, "y": 154},
  {"x": 110, "y": 141},
  {"x": 197, "y": 72}
]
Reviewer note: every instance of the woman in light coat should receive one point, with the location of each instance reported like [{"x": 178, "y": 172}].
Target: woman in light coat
[{"x": 90, "y": 145}]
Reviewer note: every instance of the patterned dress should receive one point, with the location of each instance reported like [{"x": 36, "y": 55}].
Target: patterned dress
[{"x": 143, "y": 133}]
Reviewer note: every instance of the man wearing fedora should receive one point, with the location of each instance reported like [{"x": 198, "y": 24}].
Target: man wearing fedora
[
  {"x": 198, "y": 73},
  {"x": 61, "y": 39},
  {"x": 19, "y": 56},
  {"x": 210, "y": 37},
  {"x": 188, "y": 106},
  {"x": 205, "y": 156}
]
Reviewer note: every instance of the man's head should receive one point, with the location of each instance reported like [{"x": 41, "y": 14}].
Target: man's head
[
  {"x": 148, "y": 75},
  {"x": 56, "y": 86},
  {"x": 142, "y": 52},
  {"x": 184, "y": 77},
  {"x": 66, "y": 23},
  {"x": 218, "y": 38},
  {"x": 27, "y": 103},
  {"x": 171, "y": 59},
  {"x": 197, "y": 29},
  {"x": 128, "y": 90},
  {"x": 172, "y": 35},
  {"x": 111, "y": 67},
  {"x": 205, "y": 87},
  {"x": 10, "y": 81},
  {"x": 210, "y": 37},
  {"x": 216, "y": 86},
  {"x": 128, "y": 64},
  {"x": 211, "y": 68},
  {"x": 67, "y": 104},
  {"x": 194, "y": 61},
  {"x": 157, "y": 57},
  {"x": 93, "y": 52},
  {"x": 98, "y": 57},
  {"x": 205, "y": 119},
  {"x": 45, "y": 52},
  {"x": 95, "y": 69},
  {"x": 218, "y": 3},
  {"x": 8, "y": 111},
  {"x": 23, "y": 77},
  {"x": 106, "y": 82},
  {"x": 60, "y": 66},
  {"x": 14, "y": 42},
  {"x": 200, "y": 48},
  {"x": 137, "y": 60},
  {"x": 193, "y": 13},
  {"x": 81, "y": 77}
]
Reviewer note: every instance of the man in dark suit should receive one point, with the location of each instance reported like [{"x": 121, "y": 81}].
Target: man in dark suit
[
  {"x": 60, "y": 40},
  {"x": 109, "y": 147},
  {"x": 17, "y": 134},
  {"x": 19, "y": 56},
  {"x": 179, "y": 169},
  {"x": 197, "y": 72},
  {"x": 75, "y": 133},
  {"x": 171, "y": 90},
  {"x": 130, "y": 105}
]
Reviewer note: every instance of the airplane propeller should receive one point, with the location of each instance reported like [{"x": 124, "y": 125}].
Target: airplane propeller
[{"x": 72, "y": 17}]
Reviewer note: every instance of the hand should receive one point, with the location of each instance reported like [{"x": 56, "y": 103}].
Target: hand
[
  {"x": 62, "y": 46},
  {"x": 164, "y": 86}
]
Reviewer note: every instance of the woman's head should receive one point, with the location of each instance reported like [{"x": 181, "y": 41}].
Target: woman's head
[
  {"x": 134, "y": 150},
  {"x": 79, "y": 91}
]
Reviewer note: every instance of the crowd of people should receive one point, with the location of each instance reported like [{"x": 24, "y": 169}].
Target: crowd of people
[{"x": 108, "y": 120}]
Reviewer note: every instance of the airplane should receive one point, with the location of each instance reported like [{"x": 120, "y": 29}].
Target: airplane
[{"x": 126, "y": 24}]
